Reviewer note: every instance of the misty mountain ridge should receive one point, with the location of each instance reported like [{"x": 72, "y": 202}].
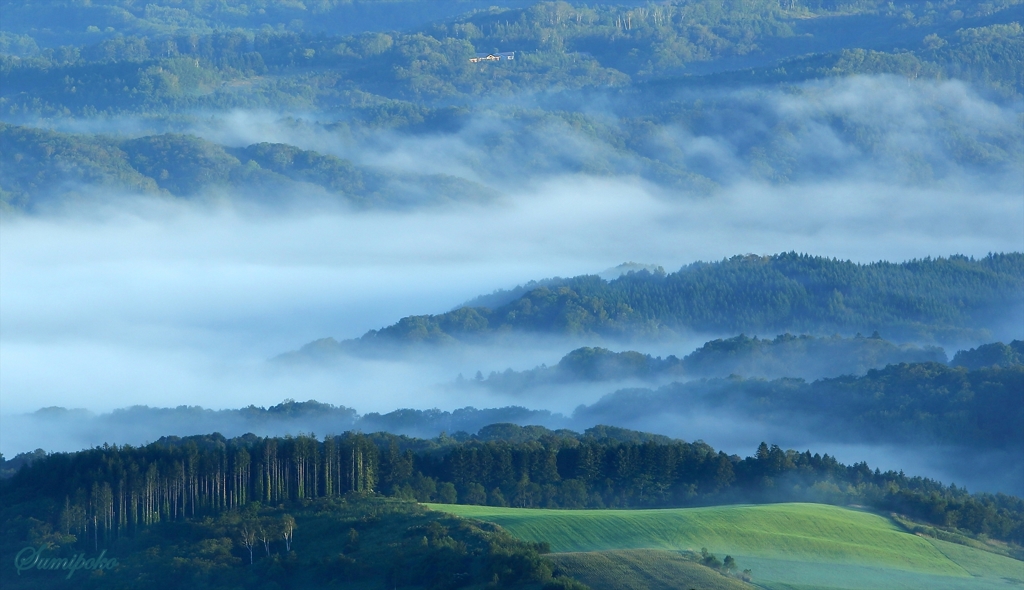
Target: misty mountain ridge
[
  {"x": 649, "y": 92},
  {"x": 591, "y": 364},
  {"x": 503, "y": 296},
  {"x": 38, "y": 166},
  {"x": 559, "y": 45},
  {"x": 627, "y": 267},
  {"x": 786, "y": 355},
  {"x": 995, "y": 354},
  {"x": 926, "y": 300},
  {"x": 804, "y": 357},
  {"x": 975, "y": 417},
  {"x": 684, "y": 143},
  {"x": 913, "y": 404}
]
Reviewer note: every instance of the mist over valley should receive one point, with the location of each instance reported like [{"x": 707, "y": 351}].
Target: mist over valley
[{"x": 346, "y": 263}]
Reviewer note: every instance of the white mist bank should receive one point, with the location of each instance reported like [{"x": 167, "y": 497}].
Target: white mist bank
[
  {"x": 120, "y": 300},
  {"x": 856, "y": 130},
  {"x": 166, "y": 303}
]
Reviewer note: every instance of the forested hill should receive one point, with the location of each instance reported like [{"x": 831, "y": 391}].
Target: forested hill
[
  {"x": 39, "y": 166},
  {"x": 989, "y": 355},
  {"x": 921, "y": 403},
  {"x": 111, "y": 492},
  {"x": 786, "y": 355},
  {"x": 164, "y": 57},
  {"x": 660, "y": 73},
  {"x": 929, "y": 299}
]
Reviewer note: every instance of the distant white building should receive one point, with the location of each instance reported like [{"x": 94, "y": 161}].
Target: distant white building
[{"x": 493, "y": 56}]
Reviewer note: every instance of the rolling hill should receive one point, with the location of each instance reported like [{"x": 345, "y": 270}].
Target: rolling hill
[
  {"x": 926, "y": 300},
  {"x": 38, "y": 167},
  {"x": 785, "y": 545}
]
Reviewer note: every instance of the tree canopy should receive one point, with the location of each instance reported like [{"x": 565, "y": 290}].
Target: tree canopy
[{"x": 931, "y": 299}]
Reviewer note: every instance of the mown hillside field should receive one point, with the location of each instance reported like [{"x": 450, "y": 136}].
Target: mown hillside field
[{"x": 785, "y": 545}]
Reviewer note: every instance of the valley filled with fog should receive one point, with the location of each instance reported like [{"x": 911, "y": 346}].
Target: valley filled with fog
[
  {"x": 526, "y": 295},
  {"x": 120, "y": 300},
  {"x": 184, "y": 286}
]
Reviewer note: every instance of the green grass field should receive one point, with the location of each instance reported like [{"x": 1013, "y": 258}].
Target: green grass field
[{"x": 788, "y": 546}]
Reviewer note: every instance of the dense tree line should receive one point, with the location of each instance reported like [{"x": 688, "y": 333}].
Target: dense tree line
[
  {"x": 926, "y": 299},
  {"x": 106, "y": 493},
  {"x": 130, "y": 488}
]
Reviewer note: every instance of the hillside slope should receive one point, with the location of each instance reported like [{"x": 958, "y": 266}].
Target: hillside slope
[
  {"x": 356, "y": 542},
  {"x": 928, "y": 403},
  {"x": 804, "y": 357},
  {"x": 641, "y": 569},
  {"x": 786, "y": 545},
  {"x": 929, "y": 299},
  {"x": 38, "y": 167}
]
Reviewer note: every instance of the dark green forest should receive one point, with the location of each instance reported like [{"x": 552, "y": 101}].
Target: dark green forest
[
  {"x": 358, "y": 540},
  {"x": 932, "y": 299},
  {"x": 995, "y": 354},
  {"x": 95, "y": 497}
]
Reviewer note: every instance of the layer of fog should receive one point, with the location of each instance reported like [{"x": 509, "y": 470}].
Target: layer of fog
[
  {"x": 128, "y": 300},
  {"x": 915, "y": 133},
  {"x": 169, "y": 304}
]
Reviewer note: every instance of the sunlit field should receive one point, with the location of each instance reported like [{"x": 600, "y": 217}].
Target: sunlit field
[{"x": 785, "y": 545}]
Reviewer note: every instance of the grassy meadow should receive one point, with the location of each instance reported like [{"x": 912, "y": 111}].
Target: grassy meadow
[{"x": 788, "y": 546}]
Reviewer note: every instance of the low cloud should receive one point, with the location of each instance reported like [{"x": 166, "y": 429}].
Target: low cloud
[
  {"x": 858, "y": 129},
  {"x": 120, "y": 300},
  {"x": 170, "y": 303}
]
